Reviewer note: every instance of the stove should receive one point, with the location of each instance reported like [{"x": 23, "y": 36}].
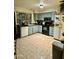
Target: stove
[{"x": 45, "y": 30}]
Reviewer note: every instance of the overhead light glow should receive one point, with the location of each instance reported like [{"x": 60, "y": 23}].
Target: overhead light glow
[{"x": 41, "y": 6}]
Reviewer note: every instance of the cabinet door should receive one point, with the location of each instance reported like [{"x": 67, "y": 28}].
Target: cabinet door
[
  {"x": 36, "y": 28},
  {"x": 40, "y": 28},
  {"x": 56, "y": 32},
  {"x": 30, "y": 30},
  {"x": 33, "y": 29},
  {"x": 51, "y": 31},
  {"x": 24, "y": 31}
]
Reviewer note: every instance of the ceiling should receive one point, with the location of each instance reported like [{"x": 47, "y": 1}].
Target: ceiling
[{"x": 34, "y": 4}]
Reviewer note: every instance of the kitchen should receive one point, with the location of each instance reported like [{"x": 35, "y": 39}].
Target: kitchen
[
  {"x": 27, "y": 28},
  {"x": 35, "y": 20},
  {"x": 37, "y": 26}
]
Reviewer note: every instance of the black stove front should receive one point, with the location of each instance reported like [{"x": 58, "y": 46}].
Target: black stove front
[{"x": 45, "y": 29}]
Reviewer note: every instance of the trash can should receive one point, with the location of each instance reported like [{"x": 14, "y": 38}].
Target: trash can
[{"x": 58, "y": 50}]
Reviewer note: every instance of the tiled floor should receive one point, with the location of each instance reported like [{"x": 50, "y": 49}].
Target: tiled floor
[{"x": 36, "y": 46}]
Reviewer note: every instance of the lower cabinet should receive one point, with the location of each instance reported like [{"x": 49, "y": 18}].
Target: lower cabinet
[
  {"x": 56, "y": 32},
  {"x": 30, "y": 30},
  {"x": 35, "y": 29},
  {"x": 24, "y": 31},
  {"x": 39, "y": 28},
  {"x": 51, "y": 31}
]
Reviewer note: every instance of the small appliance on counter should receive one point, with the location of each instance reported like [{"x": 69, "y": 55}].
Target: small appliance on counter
[{"x": 39, "y": 22}]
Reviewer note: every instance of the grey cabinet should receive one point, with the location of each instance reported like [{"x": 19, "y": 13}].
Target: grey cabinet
[
  {"x": 35, "y": 29},
  {"x": 40, "y": 28},
  {"x": 51, "y": 31},
  {"x": 30, "y": 30},
  {"x": 56, "y": 32}
]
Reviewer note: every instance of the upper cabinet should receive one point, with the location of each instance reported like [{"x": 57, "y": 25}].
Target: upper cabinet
[
  {"x": 41, "y": 16},
  {"x": 23, "y": 18}
]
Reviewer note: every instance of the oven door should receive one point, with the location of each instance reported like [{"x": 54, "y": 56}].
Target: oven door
[{"x": 45, "y": 30}]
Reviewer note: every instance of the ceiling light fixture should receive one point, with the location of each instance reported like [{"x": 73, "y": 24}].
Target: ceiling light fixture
[{"x": 41, "y": 4}]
